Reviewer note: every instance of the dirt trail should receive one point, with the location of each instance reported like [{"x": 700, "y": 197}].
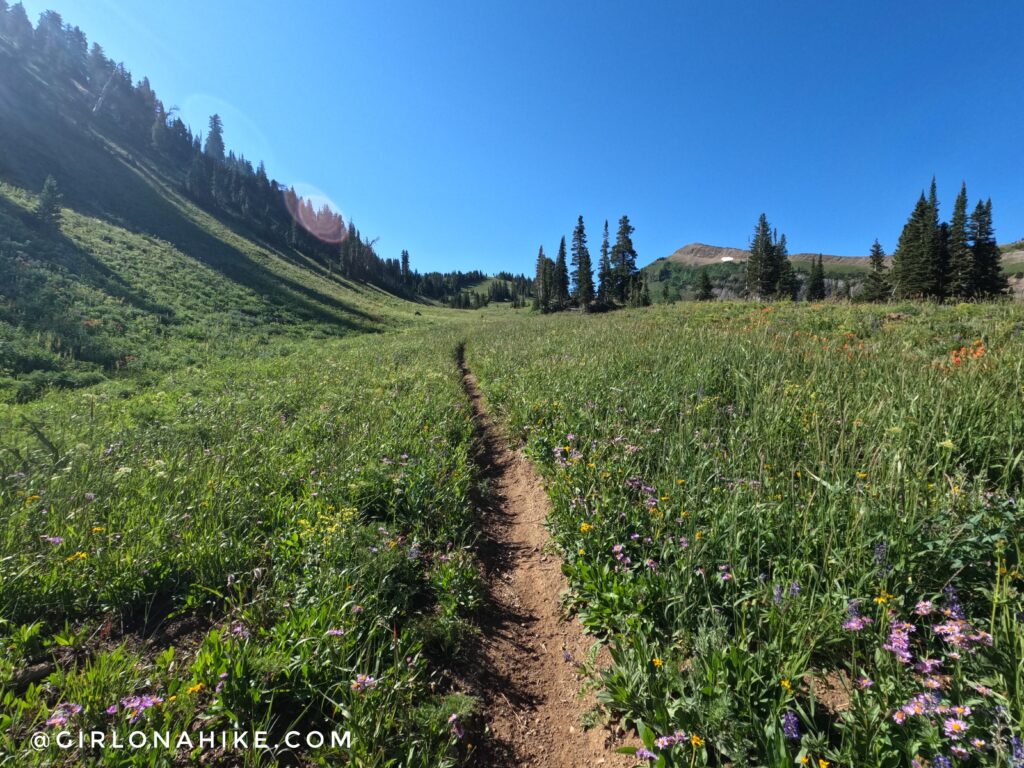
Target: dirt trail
[{"x": 528, "y": 675}]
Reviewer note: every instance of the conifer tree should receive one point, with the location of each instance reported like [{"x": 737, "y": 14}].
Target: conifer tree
[
  {"x": 582, "y": 270},
  {"x": 623, "y": 260},
  {"x": 913, "y": 260},
  {"x": 705, "y": 290},
  {"x": 761, "y": 273},
  {"x": 816, "y": 281},
  {"x": 540, "y": 284},
  {"x": 786, "y": 285},
  {"x": 561, "y": 279},
  {"x": 645, "y": 292},
  {"x": 405, "y": 267},
  {"x": 939, "y": 251},
  {"x": 48, "y": 210},
  {"x": 962, "y": 271},
  {"x": 215, "y": 139},
  {"x": 989, "y": 280},
  {"x": 876, "y": 286},
  {"x": 605, "y": 280}
]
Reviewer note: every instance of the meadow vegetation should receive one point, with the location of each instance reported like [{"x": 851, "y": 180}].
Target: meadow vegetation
[
  {"x": 796, "y": 527},
  {"x": 273, "y": 544}
]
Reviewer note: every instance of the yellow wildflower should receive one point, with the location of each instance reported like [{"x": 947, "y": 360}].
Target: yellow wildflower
[
  {"x": 194, "y": 689},
  {"x": 696, "y": 740},
  {"x": 586, "y": 527},
  {"x": 657, "y": 662},
  {"x": 785, "y": 683}
]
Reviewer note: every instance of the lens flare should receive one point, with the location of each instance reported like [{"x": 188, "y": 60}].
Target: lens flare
[{"x": 316, "y": 213}]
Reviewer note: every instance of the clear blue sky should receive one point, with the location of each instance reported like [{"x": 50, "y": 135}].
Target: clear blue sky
[{"x": 471, "y": 131}]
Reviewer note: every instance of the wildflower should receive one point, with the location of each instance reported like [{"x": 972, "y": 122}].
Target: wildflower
[
  {"x": 786, "y": 684},
  {"x": 586, "y": 528},
  {"x": 855, "y": 622},
  {"x": 194, "y": 689},
  {"x": 90, "y": 497},
  {"x": 456, "y": 727},
  {"x": 794, "y": 588},
  {"x": 112, "y": 709},
  {"x": 941, "y": 761},
  {"x": 777, "y": 594},
  {"x": 978, "y": 743},
  {"x": 933, "y": 682},
  {"x": 645, "y": 754},
  {"x": 53, "y": 539},
  {"x": 657, "y": 662},
  {"x": 899, "y": 641},
  {"x": 864, "y": 682},
  {"x": 98, "y": 529},
  {"x": 823, "y": 763},
  {"x": 357, "y": 609},
  {"x": 959, "y": 752},
  {"x": 696, "y": 740},
  {"x": 948, "y": 445},
  {"x": 364, "y": 683},
  {"x": 924, "y": 608},
  {"x": 791, "y": 726},
  {"x": 899, "y": 717},
  {"x": 64, "y": 712},
  {"x": 79, "y": 555}
]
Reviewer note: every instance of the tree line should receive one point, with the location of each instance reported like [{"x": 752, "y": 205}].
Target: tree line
[
  {"x": 619, "y": 282},
  {"x": 958, "y": 259},
  {"x": 93, "y": 90}
]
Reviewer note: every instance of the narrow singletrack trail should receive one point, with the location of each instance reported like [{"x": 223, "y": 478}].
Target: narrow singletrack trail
[{"x": 527, "y": 671}]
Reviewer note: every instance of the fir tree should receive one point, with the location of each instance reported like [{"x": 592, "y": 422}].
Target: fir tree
[
  {"x": 623, "y": 260},
  {"x": 963, "y": 278},
  {"x": 787, "y": 285},
  {"x": 761, "y": 274},
  {"x": 645, "y": 292},
  {"x": 605, "y": 279},
  {"x": 215, "y": 139},
  {"x": 561, "y": 279},
  {"x": 876, "y": 286},
  {"x": 912, "y": 262},
  {"x": 582, "y": 271},
  {"x": 405, "y": 267},
  {"x": 989, "y": 280},
  {"x": 939, "y": 250},
  {"x": 816, "y": 281},
  {"x": 705, "y": 290},
  {"x": 540, "y": 284},
  {"x": 48, "y": 210}
]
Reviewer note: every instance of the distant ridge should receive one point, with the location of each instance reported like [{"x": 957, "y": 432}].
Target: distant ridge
[{"x": 700, "y": 255}]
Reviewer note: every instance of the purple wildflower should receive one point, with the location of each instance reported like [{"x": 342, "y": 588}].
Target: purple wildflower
[{"x": 791, "y": 726}]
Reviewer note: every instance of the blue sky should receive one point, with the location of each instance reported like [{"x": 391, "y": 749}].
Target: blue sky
[{"x": 470, "y": 132}]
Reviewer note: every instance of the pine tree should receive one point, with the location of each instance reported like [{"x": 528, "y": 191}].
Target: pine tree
[
  {"x": 561, "y": 279},
  {"x": 582, "y": 270},
  {"x": 705, "y": 290},
  {"x": 645, "y": 292},
  {"x": 816, "y": 281},
  {"x": 48, "y": 210},
  {"x": 876, "y": 286},
  {"x": 939, "y": 250},
  {"x": 761, "y": 274},
  {"x": 406, "y": 275},
  {"x": 623, "y": 260},
  {"x": 540, "y": 284},
  {"x": 786, "y": 285},
  {"x": 215, "y": 139},
  {"x": 963, "y": 276},
  {"x": 605, "y": 279},
  {"x": 990, "y": 280},
  {"x": 912, "y": 262}
]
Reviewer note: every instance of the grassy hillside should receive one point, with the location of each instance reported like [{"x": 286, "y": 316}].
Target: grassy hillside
[{"x": 138, "y": 276}]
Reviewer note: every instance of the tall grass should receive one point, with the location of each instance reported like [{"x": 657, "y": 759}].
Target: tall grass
[{"x": 796, "y": 527}]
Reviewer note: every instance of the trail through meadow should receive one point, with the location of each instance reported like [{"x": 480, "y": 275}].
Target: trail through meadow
[{"x": 529, "y": 674}]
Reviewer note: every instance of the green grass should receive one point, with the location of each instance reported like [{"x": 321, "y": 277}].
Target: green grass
[
  {"x": 308, "y": 512},
  {"x": 733, "y": 482}
]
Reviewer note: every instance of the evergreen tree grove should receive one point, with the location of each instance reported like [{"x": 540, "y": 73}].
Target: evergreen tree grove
[
  {"x": 989, "y": 278},
  {"x": 816, "y": 280},
  {"x": 705, "y": 290}
]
